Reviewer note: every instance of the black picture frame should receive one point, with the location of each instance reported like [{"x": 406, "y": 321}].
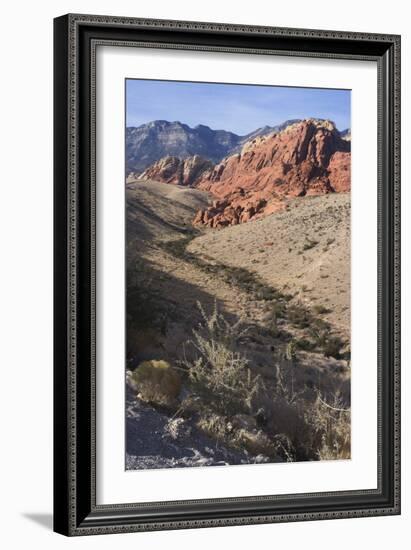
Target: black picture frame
[{"x": 75, "y": 41}]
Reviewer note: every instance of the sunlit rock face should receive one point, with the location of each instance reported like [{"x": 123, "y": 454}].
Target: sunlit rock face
[{"x": 306, "y": 158}]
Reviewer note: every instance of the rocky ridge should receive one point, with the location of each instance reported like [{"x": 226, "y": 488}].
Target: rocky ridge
[
  {"x": 302, "y": 158},
  {"x": 148, "y": 143},
  {"x": 177, "y": 171}
]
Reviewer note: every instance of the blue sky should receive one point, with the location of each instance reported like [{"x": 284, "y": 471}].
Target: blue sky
[{"x": 234, "y": 107}]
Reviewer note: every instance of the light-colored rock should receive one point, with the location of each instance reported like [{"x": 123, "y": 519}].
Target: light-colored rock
[
  {"x": 177, "y": 171},
  {"x": 177, "y": 429}
]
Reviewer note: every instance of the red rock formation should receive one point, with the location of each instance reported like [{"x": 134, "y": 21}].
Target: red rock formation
[
  {"x": 177, "y": 171},
  {"x": 340, "y": 171},
  {"x": 307, "y": 158}
]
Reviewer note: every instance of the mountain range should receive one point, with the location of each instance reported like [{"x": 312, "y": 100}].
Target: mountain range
[
  {"x": 254, "y": 175},
  {"x": 149, "y": 142}
]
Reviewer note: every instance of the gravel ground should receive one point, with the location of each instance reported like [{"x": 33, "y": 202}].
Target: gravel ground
[{"x": 155, "y": 441}]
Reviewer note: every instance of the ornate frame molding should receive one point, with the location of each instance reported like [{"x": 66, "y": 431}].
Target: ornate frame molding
[{"x": 76, "y": 40}]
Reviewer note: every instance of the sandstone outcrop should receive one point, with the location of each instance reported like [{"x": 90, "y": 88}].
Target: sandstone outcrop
[
  {"x": 177, "y": 171},
  {"x": 306, "y": 158}
]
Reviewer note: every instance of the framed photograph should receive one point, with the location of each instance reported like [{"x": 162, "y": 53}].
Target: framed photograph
[{"x": 227, "y": 279}]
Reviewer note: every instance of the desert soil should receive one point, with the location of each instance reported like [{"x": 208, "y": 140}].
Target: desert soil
[{"x": 302, "y": 251}]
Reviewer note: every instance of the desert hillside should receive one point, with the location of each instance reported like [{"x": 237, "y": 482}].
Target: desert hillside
[
  {"x": 262, "y": 296},
  {"x": 303, "y": 249},
  {"x": 156, "y": 210}
]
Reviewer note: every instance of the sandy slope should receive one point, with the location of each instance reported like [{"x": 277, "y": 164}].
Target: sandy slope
[
  {"x": 303, "y": 250},
  {"x": 156, "y": 210},
  {"x": 172, "y": 267}
]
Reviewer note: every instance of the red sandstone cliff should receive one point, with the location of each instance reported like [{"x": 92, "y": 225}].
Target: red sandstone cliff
[{"x": 307, "y": 158}]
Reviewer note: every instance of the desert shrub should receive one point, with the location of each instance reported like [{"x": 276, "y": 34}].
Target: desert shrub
[
  {"x": 332, "y": 346},
  {"x": 242, "y": 278},
  {"x": 157, "y": 382},
  {"x": 321, "y": 309},
  {"x": 217, "y": 372},
  {"x": 332, "y": 425},
  {"x": 276, "y": 311},
  {"x": 177, "y": 428},
  {"x": 291, "y": 351},
  {"x": 314, "y": 429},
  {"x": 213, "y": 425},
  {"x": 284, "y": 448},
  {"x": 329, "y": 344},
  {"x": 310, "y": 244},
  {"x": 178, "y": 247},
  {"x": 273, "y": 328},
  {"x": 298, "y": 315},
  {"x": 304, "y": 344},
  {"x": 299, "y": 421},
  {"x": 255, "y": 442},
  {"x": 286, "y": 422},
  {"x": 319, "y": 331},
  {"x": 319, "y": 326},
  {"x": 266, "y": 293},
  {"x": 345, "y": 352},
  {"x": 249, "y": 282}
]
